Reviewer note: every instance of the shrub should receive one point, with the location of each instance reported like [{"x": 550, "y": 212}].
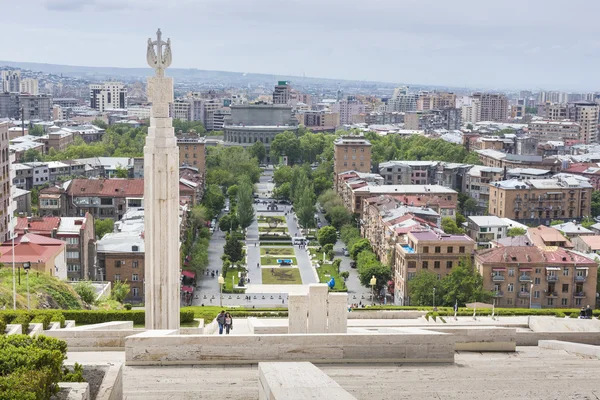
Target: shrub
[
  {"x": 23, "y": 319},
  {"x": 127, "y": 306},
  {"x": 86, "y": 317},
  {"x": 119, "y": 291},
  {"x": 186, "y": 316},
  {"x": 86, "y": 291},
  {"x": 58, "y": 317},
  {"x": 574, "y": 315},
  {"x": 44, "y": 319},
  {"x": 76, "y": 375}
]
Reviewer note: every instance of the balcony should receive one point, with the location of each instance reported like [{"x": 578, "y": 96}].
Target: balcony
[
  {"x": 523, "y": 294},
  {"x": 552, "y": 278},
  {"x": 498, "y": 278},
  {"x": 580, "y": 278},
  {"x": 524, "y": 278},
  {"x": 579, "y": 295},
  {"x": 551, "y": 294},
  {"x": 498, "y": 293}
]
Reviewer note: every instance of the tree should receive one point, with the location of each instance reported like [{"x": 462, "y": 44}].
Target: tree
[
  {"x": 213, "y": 199},
  {"x": 119, "y": 291},
  {"x": 245, "y": 201},
  {"x": 344, "y": 274},
  {"x": 86, "y": 291},
  {"x": 286, "y": 144},
  {"x": 305, "y": 209},
  {"x": 32, "y": 155},
  {"x": 470, "y": 206},
  {"x": 282, "y": 175},
  {"x": 369, "y": 266},
  {"x": 516, "y": 231},
  {"x": 103, "y": 226},
  {"x": 199, "y": 215},
  {"x": 449, "y": 226},
  {"x": 233, "y": 249},
  {"x": 258, "y": 151},
  {"x": 338, "y": 216},
  {"x": 283, "y": 192},
  {"x": 232, "y": 191},
  {"x": 327, "y": 235},
  {"x": 464, "y": 285},
  {"x": 336, "y": 264},
  {"x": 100, "y": 123},
  {"x": 557, "y": 222},
  {"x": 421, "y": 288},
  {"x": 596, "y": 203},
  {"x": 470, "y": 127},
  {"x": 587, "y": 222},
  {"x": 328, "y": 247},
  {"x": 358, "y": 247},
  {"x": 229, "y": 222},
  {"x": 121, "y": 172}
]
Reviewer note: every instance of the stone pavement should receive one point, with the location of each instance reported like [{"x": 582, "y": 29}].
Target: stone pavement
[{"x": 530, "y": 373}]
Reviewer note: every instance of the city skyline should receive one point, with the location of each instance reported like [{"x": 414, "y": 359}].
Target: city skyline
[{"x": 498, "y": 46}]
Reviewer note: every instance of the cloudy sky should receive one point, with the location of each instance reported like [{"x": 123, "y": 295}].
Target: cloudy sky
[{"x": 501, "y": 44}]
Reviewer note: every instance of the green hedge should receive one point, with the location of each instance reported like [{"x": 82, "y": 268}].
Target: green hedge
[
  {"x": 58, "y": 317},
  {"x": 274, "y": 237},
  {"x": 30, "y": 367},
  {"x": 22, "y": 319},
  {"x": 44, "y": 319},
  {"x": 281, "y": 243},
  {"x": 2, "y": 325},
  {"x": 463, "y": 311}
]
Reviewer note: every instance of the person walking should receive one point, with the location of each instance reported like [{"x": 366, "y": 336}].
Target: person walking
[
  {"x": 228, "y": 323},
  {"x": 221, "y": 321}
]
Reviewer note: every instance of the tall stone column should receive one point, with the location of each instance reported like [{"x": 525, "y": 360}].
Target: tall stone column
[
  {"x": 317, "y": 308},
  {"x": 161, "y": 199}
]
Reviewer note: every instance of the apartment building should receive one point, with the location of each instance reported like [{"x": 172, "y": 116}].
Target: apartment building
[
  {"x": 499, "y": 159},
  {"x": 43, "y": 254},
  {"x": 427, "y": 251},
  {"x": 534, "y": 277},
  {"x": 436, "y": 101},
  {"x": 58, "y": 140},
  {"x": 476, "y": 183},
  {"x": 10, "y": 81},
  {"x": 36, "y": 107},
  {"x": 281, "y": 94},
  {"x": 404, "y": 172},
  {"x": 6, "y": 201},
  {"x": 402, "y": 101},
  {"x": 585, "y": 113},
  {"x": 494, "y": 107},
  {"x": 350, "y": 180},
  {"x": 431, "y": 120},
  {"x": 484, "y": 229},
  {"x": 471, "y": 113},
  {"x": 78, "y": 234},
  {"x": 108, "y": 96},
  {"x": 589, "y": 171},
  {"x": 192, "y": 151},
  {"x": 30, "y": 86},
  {"x": 347, "y": 109},
  {"x": 351, "y": 153},
  {"x": 318, "y": 120},
  {"x": 541, "y": 200},
  {"x": 549, "y": 130}
]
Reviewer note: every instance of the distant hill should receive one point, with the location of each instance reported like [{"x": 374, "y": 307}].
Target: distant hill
[{"x": 182, "y": 74}]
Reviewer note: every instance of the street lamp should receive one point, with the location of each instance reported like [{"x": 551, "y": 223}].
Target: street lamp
[
  {"x": 14, "y": 275},
  {"x": 530, "y": 293},
  {"x": 26, "y": 267},
  {"x": 372, "y": 282},
  {"x": 221, "y": 283}
]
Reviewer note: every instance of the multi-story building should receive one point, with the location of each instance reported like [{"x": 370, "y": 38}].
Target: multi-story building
[
  {"x": 351, "y": 153},
  {"x": 181, "y": 109},
  {"x": 11, "y": 81},
  {"x": 432, "y": 120},
  {"x": 66, "y": 102},
  {"x": 402, "y": 101},
  {"x": 58, "y": 140},
  {"x": 499, "y": 159},
  {"x": 192, "y": 151},
  {"x": 427, "y": 251},
  {"x": 535, "y": 277},
  {"x": 34, "y": 107},
  {"x": 548, "y": 130},
  {"x": 401, "y": 172},
  {"x": 541, "y": 200},
  {"x": 586, "y": 114},
  {"x": 29, "y": 85},
  {"x": 9, "y": 105},
  {"x": 281, "y": 94},
  {"x": 484, "y": 229},
  {"x": 471, "y": 113},
  {"x": 78, "y": 234},
  {"x": 251, "y": 123},
  {"x": 477, "y": 181},
  {"x": 43, "y": 254},
  {"x": 494, "y": 107},
  {"x": 347, "y": 109},
  {"x": 89, "y": 133},
  {"x": 5, "y": 185},
  {"x": 30, "y": 175},
  {"x": 436, "y": 101},
  {"x": 320, "y": 120},
  {"x": 108, "y": 96}
]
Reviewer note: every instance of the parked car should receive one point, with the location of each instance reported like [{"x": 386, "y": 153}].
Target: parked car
[
  {"x": 346, "y": 252},
  {"x": 352, "y": 264}
]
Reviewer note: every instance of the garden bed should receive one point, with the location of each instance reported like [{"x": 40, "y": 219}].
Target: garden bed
[
  {"x": 284, "y": 251},
  {"x": 268, "y": 260},
  {"x": 328, "y": 269},
  {"x": 281, "y": 276},
  {"x": 281, "y": 243}
]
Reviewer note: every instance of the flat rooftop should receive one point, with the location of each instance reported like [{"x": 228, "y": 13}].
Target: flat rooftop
[{"x": 529, "y": 373}]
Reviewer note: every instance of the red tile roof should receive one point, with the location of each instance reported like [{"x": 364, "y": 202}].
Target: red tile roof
[
  {"x": 106, "y": 187},
  {"x": 31, "y": 248},
  {"x": 41, "y": 226},
  {"x": 532, "y": 254}
]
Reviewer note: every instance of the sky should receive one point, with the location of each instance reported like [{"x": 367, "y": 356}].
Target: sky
[{"x": 528, "y": 44}]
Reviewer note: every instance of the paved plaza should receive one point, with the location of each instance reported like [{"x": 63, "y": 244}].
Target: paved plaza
[{"x": 530, "y": 373}]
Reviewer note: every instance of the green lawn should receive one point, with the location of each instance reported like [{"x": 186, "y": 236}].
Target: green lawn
[
  {"x": 318, "y": 254},
  {"x": 265, "y": 219},
  {"x": 283, "y": 251},
  {"x": 327, "y": 269},
  {"x": 281, "y": 276},
  {"x": 228, "y": 288},
  {"x": 273, "y": 260},
  {"x": 281, "y": 243},
  {"x": 280, "y": 229}
]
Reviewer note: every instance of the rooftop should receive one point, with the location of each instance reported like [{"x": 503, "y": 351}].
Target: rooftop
[
  {"x": 405, "y": 189},
  {"x": 592, "y": 241},
  {"x": 107, "y": 187},
  {"x": 488, "y": 220},
  {"x": 570, "y": 228},
  {"x": 433, "y": 236}
]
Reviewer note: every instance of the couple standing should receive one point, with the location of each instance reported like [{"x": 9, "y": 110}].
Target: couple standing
[{"x": 225, "y": 321}]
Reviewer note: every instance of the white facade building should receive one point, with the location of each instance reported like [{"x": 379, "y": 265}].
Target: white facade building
[{"x": 108, "y": 96}]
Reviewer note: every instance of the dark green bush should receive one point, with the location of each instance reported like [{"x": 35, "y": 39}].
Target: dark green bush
[
  {"x": 58, "y": 317},
  {"x": 44, "y": 319},
  {"x": 23, "y": 319},
  {"x": 186, "y": 316},
  {"x": 127, "y": 306}
]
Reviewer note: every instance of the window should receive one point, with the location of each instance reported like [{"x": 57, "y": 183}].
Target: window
[
  {"x": 537, "y": 281},
  {"x": 450, "y": 249},
  {"x": 72, "y": 254},
  {"x": 135, "y": 264},
  {"x": 538, "y": 270},
  {"x": 73, "y": 268},
  {"x": 438, "y": 249},
  {"x": 448, "y": 264},
  {"x": 563, "y": 302},
  {"x": 566, "y": 271},
  {"x": 72, "y": 240},
  {"x": 135, "y": 277},
  {"x": 425, "y": 249},
  {"x": 511, "y": 272},
  {"x": 511, "y": 287},
  {"x": 577, "y": 302},
  {"x": 117, "y": 277},
  {"x": 118, "y": 264},
  {"x": 565, "y": 288},
  {"x": 461, "y": 249},
  {"x": 425, "y": 264},
  {"x": 436, "y": 264},
  {"x": 411, "y": 275},
  {"x": 509, "y": 301},
  {"x": 550, "y": 302},
  {"x": 135, "y": 292},
  {"x": 106, "y": 201},
  {"x": 536, "y": 294}
]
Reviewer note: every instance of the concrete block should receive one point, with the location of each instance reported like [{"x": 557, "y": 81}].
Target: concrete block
[
  {"x": 14, "y": 329},
  {"x": 74, "y": 390},
  {"x": 475, "y": 338},
  {"x": 297, "y": 313},
  {"x": 297, "y": 381},
  {"x": 317, "y": 308},
  {"x": 575, "y": 348},
  {"x": 111, "y": 387},
  {"x": 35, "y": 329},
  {"x": 337, "y": 313}
]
